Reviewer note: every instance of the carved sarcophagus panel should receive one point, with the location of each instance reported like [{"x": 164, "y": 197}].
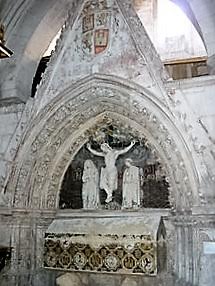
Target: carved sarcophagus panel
[{"x": 119, "y": 245}]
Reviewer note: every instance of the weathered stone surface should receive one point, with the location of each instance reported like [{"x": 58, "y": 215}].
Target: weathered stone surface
[{"x": 80, "y": 93}]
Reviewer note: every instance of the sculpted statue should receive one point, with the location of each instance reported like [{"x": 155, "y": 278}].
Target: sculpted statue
[
  {"x": 129, "y": 282},
  {"x": 131, "y": 186},
  {"x": 90, "y": 187},
  {"x": 69, "y": 279},
  {"x": 4, "y": 199},
  {"x": 109, "y": 174}
]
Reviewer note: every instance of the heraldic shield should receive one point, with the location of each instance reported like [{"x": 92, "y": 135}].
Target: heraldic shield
[{"x": 96, "y": 22}]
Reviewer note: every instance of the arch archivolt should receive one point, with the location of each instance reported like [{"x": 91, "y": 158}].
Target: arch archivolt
[
  {"x": 74, "y": 144},
  {"x": 62, "y": 128}
]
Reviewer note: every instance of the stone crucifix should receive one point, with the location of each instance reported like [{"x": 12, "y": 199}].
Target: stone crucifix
[{"x": 109, "y": 174}]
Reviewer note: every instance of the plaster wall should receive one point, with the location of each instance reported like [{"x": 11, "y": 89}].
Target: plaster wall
[
  {"x": 194, "y": 108},
  {"x": 205, "y": 16},
  {"x": 122, "y": 57},
  {"x": 9, "y": 120}
]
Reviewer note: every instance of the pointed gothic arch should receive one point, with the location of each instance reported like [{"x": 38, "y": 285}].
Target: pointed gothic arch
[{"x": 60, "y": 129}]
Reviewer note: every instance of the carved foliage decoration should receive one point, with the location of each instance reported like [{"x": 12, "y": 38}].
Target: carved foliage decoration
[{"x": 61, "y": 130}]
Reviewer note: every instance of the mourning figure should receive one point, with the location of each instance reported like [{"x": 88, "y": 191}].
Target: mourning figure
[
  {"x": 90, "y": 186},
  {"x": 131, "y": 186},
  {"x": 4, "y": 199}
]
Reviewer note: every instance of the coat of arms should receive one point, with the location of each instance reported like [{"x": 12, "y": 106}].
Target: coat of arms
[{"x": 96, "y": 23}]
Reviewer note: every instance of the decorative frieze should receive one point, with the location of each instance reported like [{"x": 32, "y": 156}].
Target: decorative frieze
[{"x": 127, "y": 254}]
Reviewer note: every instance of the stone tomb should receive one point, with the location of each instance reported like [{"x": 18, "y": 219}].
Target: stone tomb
[{"x": 124, "y": 244}]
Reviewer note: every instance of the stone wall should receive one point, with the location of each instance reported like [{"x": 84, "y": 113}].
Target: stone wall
[
  {"x": 9, "y": 120},
  {"x": 81, "y": 91},
  {"x": 193, "y": 101}
]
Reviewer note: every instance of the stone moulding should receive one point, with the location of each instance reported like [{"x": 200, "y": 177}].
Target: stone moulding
[{"x": 61, "y": 128}]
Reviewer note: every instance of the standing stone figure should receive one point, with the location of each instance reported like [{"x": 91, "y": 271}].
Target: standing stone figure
[
  {"x": 90, "y": 187},
  {"x": 131, "y": 186},
  {"x": 69, "y": 279},
  {"x": 4, "y": 200},
  {"x": 109, "y": 174},
  {"x": 129, "y": 282}
]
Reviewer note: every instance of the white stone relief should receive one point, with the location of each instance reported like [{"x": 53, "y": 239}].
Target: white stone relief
[
  {"x": 108, "y": 178},
  {"x": 113, "y": 172},
  {"x": 129, "y": 282},
  {"x": 69, "y": 279},
  {"x": 90, "y": 189},
  {"x": 4, "y": 200},
  {"x": 131, "y": 186}
]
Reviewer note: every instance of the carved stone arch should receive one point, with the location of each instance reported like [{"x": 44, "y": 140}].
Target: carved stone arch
[
  {"x": 74, "y": 143},
  {"x": 71, "y": 114}
]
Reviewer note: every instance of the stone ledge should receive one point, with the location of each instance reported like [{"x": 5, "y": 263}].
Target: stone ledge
[
  {"x": 69, "y": 213},
  {"x": 191, "y": 82}
]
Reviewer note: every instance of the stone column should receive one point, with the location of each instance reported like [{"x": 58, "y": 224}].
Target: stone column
[{"x": 184, "y": 252}]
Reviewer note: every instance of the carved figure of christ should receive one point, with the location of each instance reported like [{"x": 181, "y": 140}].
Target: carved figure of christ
[{"x": 109, "y": 174}]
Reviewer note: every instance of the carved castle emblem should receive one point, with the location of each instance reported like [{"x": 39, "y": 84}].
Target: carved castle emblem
[{"x": 96, "y": 21}]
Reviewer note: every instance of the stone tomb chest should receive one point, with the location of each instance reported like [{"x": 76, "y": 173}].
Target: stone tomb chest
[{"x": 125, "y": 243}]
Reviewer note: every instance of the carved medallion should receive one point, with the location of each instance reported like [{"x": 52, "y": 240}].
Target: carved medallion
[
  {"x": 65, "y": 259},
  {"x": 95, "y": 260},
  {"x": 147, "y": 263},
  {"x": 51, "y": 259},
  {"x": 104, "y": 253},
  {"x": 111, "y": 261},
  {"x": 129, "y": 262},
  {"x": 79, "y": 260}
]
